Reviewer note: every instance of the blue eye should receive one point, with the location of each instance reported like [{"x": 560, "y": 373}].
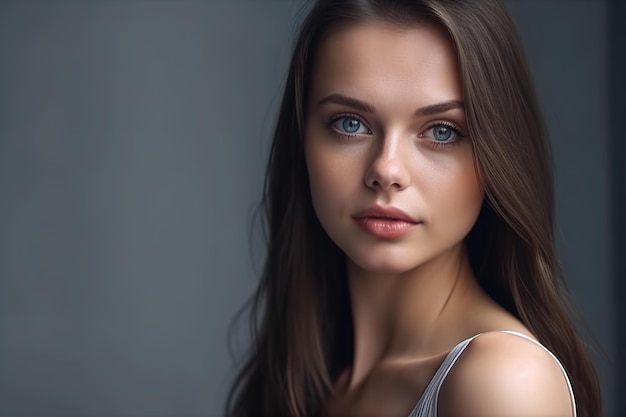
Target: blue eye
[
  {"x": 443, "y": 134},
  {"x": 349, "y": 125}
]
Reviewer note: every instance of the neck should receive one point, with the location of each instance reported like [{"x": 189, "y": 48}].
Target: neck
[{"x": 412, "y": 314}]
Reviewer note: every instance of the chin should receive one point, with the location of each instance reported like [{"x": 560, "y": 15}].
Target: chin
[{"x": 383, "y": 264}]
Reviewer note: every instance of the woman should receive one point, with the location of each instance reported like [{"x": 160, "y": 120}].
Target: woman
[{"x": 411, "y": 266}]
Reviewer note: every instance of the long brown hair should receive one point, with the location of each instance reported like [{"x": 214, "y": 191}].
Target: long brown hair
[{"x": 301, "y": 311}]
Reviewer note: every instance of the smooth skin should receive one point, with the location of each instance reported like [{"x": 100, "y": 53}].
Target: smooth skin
[{"x": 385, "y": 125}]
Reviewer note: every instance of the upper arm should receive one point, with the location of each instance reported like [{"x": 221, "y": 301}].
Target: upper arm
[{"x": 504, "y": 375}]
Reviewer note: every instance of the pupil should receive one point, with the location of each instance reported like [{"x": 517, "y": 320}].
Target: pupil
[
  {"x": 442, "y": 133},
  {"x": 351, "y": 125}
]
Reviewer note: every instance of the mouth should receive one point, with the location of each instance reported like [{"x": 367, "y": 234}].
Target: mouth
[
  {"x": 388, "y": 213},
  {"x": 385, "y": 222}
]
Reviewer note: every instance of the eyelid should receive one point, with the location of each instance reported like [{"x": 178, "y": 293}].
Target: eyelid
[
  {"x": 332, "y": 119},
  {"x": 460, "y": 135},
  {"x": 457, "y": 129}
]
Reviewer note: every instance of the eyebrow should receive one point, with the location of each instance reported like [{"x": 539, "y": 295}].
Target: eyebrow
[{"x": 368, "y": 108}]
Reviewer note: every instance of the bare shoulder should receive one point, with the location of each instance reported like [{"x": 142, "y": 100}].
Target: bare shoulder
[{"x": 501, "y": 374}]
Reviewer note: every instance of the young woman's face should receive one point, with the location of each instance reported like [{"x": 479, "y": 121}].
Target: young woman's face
[{"x": 391, "y": 168}]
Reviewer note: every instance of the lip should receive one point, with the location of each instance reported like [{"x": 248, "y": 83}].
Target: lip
[
  {"x": 387, "y": 213},
  {"x": 385, "y": 222}
]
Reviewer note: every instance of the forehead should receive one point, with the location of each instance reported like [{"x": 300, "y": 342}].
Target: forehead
[{"x": 378, "y": 62}]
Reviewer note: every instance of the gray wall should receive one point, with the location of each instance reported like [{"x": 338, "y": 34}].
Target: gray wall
[
  {"x": 567, "y": 46},
  {"x": 617, "y": 150},
  {"x": 133, "y": 136}
]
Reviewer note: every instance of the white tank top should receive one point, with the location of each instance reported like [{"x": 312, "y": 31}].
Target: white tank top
[{"x": 427, "y": 405}]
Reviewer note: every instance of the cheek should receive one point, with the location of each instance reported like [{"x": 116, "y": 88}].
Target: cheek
[
  {"x": 322, "y": 178},
  {"x": 453, "y": 190},
  {"x": 464, "y": 186},
  {"x": 335, "y": 173},
  {"x": 330, "y": 179}
]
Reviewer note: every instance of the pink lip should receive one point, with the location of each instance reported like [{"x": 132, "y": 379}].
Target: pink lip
[
  {"x": 387, "y": 213},
  {"x": 385, "y": 222}
]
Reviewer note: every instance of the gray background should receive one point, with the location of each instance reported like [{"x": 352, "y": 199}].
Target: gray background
[{"x": 133, "y": 138}]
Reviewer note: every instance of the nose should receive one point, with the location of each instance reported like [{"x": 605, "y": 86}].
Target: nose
[{"x": 388, "y": 169}]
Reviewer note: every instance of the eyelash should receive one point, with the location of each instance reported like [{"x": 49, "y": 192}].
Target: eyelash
[
  {"x": 455, "y": 128},
  {"x": 339, "y": 116}
]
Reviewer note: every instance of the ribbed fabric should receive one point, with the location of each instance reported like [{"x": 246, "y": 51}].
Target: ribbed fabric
[{"x": 427, "y": 405}]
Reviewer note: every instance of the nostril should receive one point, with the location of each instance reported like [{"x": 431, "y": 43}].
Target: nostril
[{"x": 386, "y": 173}]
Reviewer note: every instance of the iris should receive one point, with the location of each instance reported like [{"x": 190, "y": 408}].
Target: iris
[
  {"x": 351, "y": 125},
  {"x": 442, "y": 133}
]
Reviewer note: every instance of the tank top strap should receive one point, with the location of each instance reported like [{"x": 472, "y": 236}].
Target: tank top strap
[
  {"x": 427, "y": 404},
  {"x": 569, "y": 384}
]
